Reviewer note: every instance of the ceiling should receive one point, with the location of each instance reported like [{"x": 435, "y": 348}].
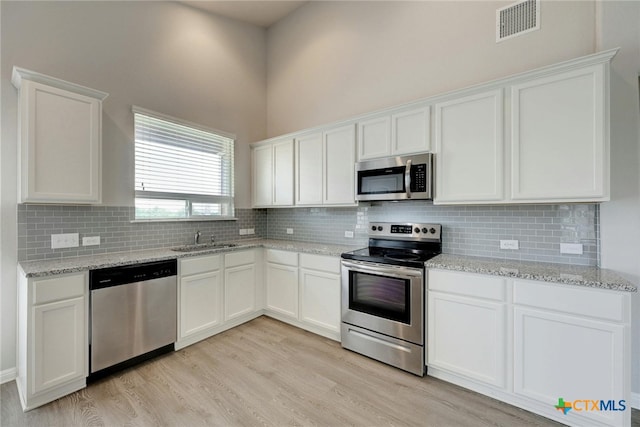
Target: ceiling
[{"x": 262, "y": 13}]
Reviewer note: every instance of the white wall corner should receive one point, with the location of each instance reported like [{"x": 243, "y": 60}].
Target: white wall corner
[{"x": 11, "y": 374}]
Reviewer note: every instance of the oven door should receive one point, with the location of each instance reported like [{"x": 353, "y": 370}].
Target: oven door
[{"x": 384, "y": 298}]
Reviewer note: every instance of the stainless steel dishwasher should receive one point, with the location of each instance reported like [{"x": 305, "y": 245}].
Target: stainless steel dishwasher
[{"x": 133, "y": 315}]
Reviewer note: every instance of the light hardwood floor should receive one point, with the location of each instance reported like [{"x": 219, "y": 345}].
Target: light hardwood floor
[{"x": 267, "y": 373}]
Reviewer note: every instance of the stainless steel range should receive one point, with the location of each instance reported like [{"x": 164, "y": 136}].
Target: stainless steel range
[{"x": 383, "y": 291}]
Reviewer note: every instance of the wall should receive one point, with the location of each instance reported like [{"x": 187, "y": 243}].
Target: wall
[
  {"x": 619, "y": 26},
  {"x": 163, "y": 56},
  {"x": 331, "y": 60}
]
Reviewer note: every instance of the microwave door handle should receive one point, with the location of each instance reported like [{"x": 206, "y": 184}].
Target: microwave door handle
[{"x": 407, "y": 178}]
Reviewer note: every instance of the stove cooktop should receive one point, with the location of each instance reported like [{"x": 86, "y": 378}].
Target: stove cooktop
[{"x": 404, "y": 244}]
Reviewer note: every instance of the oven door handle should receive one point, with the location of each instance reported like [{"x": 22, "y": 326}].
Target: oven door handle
[
  {"x": 407, "y": 178},
  {"x": 382, "y": 269}
]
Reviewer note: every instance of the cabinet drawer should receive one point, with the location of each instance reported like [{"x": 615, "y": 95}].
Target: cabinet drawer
[
  {"x": 58, "y": 288},
  {"x": 569, "y": 299},
  {"x": 282, "y": 257},
  {"x": 199, "y": 264},
  {"x": 320, "y": 262},
  {"x": 473, "y": 285},
  {"x": 235, "y": 259}
]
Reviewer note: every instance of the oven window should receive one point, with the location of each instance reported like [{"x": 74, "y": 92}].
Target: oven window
[
  {"x": 382, "y": 181},
  {"x": 380, "y": 296}
]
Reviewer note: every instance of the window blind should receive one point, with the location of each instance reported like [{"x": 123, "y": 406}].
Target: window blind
[{"x": 181, "y": 171}]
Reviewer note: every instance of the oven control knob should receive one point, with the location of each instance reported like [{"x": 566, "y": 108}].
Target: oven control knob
[
  {"x": 425, "y": 230},
  {"x": 373, "y": 228},
  {"x": 379, "y": 228},
  {"x": 417, "y": 230},
  {"x": 432, "y": 230}
]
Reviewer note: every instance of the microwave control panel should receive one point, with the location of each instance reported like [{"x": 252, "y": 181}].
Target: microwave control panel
[{"x": 419, "y": 178}]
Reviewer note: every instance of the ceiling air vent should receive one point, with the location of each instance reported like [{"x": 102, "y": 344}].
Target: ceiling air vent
[{"x": 517, "y": 19}]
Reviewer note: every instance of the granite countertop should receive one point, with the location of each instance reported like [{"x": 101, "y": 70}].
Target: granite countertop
[
  {"x": 593, "y": 277},
  {"x": 70, "y": 265}
]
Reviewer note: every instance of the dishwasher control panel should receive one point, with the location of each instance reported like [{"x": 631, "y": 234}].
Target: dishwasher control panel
[{"x": 114, "y": 276}]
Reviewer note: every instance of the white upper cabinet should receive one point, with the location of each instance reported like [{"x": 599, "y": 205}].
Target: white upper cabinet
[
  {"x": 374, "y": 138},
  {"x": 262, "y": 162},
  {"x": 557, "y": 137},
  {"x": 58, "y": 164},
  {"x": 469, "y": 143},
  {"x": 403, "y": 132},
  {"x": 410, "y": 131},
  {"x": 309, "y": 169},
  {"x": 559, "y": 148},
  {"x": 272, "y": 169},
  {"x": 325, "y": 163},
  {"x": 537, "y": 137},
  {"x": 339, "y": 166}
]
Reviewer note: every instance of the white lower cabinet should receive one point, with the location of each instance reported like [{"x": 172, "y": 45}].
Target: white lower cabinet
[
  {"x": 304, "y": 290},
  {"x": 201, "y": 296},
  {"x": 52, "y": 337},
  {"x": 572, "y": 348},
  {"x": 216, "y": 294},
  {"x": 282, "y": 283},
  {"x": 567, "y": 342},
  {"x": 466, "y": 326},
  {"x": 240, "y": 290},
  {"x": 320, "y": 292}
]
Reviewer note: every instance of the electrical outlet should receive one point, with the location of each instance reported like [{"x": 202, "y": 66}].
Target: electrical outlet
[
  {"x": 251, "y": 231},
  {"x": 243, "y": 231},
  {"x": 68, "y": 240},
  {"x": 289, "y": 230},
  {"x": 571, "y": 248},
  {"x": 91, "y": 241},
  {"x": 509, "y": 244},
  {"x": 348, "y": 234}
]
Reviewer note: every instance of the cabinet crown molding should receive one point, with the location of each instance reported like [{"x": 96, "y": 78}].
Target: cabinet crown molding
[{"x": 20, "y": 74}]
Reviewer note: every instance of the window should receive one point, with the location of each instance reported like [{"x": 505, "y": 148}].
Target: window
[{"x": 182, "y": 170}]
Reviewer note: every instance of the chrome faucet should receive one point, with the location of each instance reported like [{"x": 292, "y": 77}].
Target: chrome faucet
[
  {"x": 213, "y": 238},
  {"x": 197, "y": 237}
]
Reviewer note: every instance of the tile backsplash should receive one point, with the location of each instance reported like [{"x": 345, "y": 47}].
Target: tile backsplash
[
  {"x": 36, "y": 224},
  {"x": 467, "y": 230}
]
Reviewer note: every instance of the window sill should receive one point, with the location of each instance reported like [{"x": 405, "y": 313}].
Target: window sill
[{"x": 220, "y": 218}]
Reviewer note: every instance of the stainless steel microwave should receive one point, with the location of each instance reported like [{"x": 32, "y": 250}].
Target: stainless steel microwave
[{"x": 395, "y": 178}]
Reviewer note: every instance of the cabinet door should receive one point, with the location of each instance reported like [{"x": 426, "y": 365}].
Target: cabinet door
[
  {"x": 374, "y": 138},
  {"x": 339, "y": 166},
  {"x": 200, "y": 302},
  {"x": 283, "y": 173},
  {"x": 282, "y": 289},
  {"x": 59, "y": 163},
  {"x": 59, "y": 343},
  {"x": 309, "y": 168},
  {"x": 467, "y": 336},
  {"x": 239, "y": 291},
  {"x": 410, "y": 131},
  {"x": 469, "y": 143},
  {"x": 559, "y": 149},
  {"x": 569, "y": 357},
  {"x": 262, "y": 162},
  {"x": 320, "y": 299}
]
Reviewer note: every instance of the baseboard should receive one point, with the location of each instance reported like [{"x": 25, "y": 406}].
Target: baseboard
[
  {"x": 8, "y": 375},
  {"x": 635, "y": 400}
]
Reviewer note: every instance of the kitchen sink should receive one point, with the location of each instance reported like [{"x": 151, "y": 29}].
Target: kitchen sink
[{"x": 204, "y": 247}]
